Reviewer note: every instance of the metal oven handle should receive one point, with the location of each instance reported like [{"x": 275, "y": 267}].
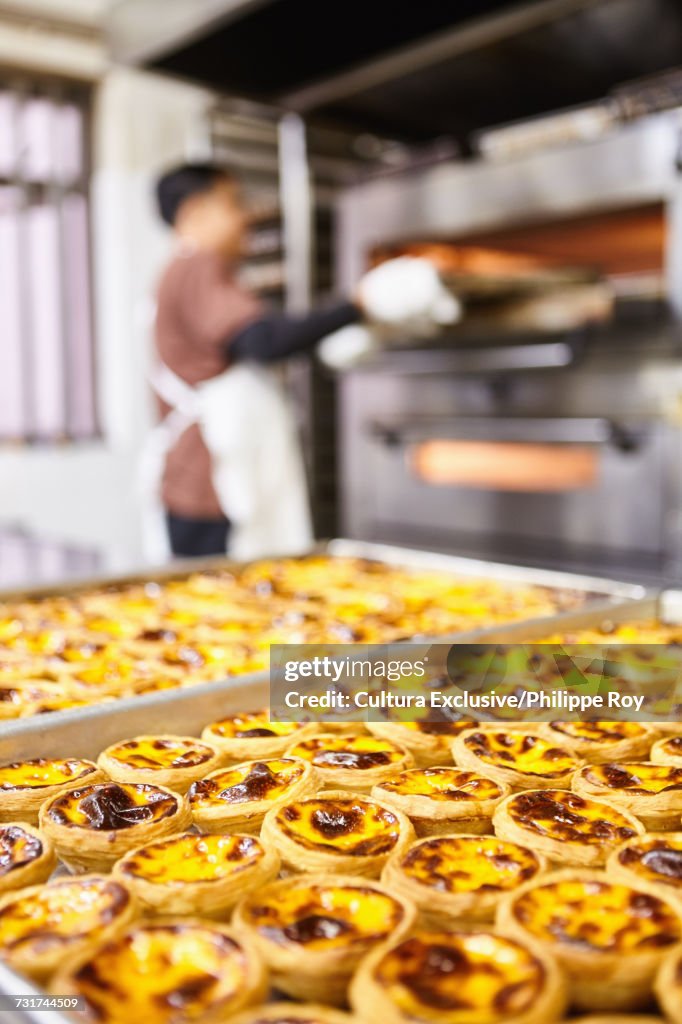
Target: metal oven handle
[{"x": 531, "y": 430}]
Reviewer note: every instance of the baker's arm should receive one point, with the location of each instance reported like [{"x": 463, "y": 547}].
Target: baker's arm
[{"x": 277, "y": 336}]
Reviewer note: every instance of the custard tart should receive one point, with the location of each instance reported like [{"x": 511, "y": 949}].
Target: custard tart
[
  {"x": 26, "y": 856},
  {"x": 41, "y": 925},
  {"x": 652, "y": 862},
  {"x": 454, "y": 878},
  {"x": 166, "y": 972},
  {"x": 196, "y": 874},
  {"x": 652, "y": 792},
  {"x": 439, "y": 801},
  {"x": 295, "y": 1013},
  {"x": 173, "y": 761},
  {"x": 563, "y": 826},
  {"x": 251, "y": 735},
  {"x": 609, "y": 938},
  {"x": 91, "y": 827},
  {"x": 429, "y": 742},
  {"x": 458, "y": 978},
  {"x": 520, "y": 758},
  {"x": 668, "y": 986},
  {"x": 668, "y": 751},
  {"x": 601, "y": 742},
  {"x": 348, "y": 833},
  {"x": 313, "y": 930},
  {"x": 356, "y": 762},
  {"x": 238, "y": 798},
  {"x": 25, "y": 785}
]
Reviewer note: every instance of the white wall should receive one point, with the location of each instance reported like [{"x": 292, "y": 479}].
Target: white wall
[{"x": 86, "y": 493}]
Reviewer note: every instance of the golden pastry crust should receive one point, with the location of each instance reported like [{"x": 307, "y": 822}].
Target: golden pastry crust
[
  {"x": 668, "y": 986},
  {"x": 26, "y": 856},
  {"x": 429, "y": 742},
  {"x": 668, "y": 751},
  {"x": 92, "y": 827},
  {"x": 563, "y": 826},
  {"x": 601, "y": 742},
  {"x": 252, "y": 736},
  {"x": 313, "y": 930},
  {"x": 652, "y": 792},
  {"x": 295, "y": 1013},
  {"x": 165, "y": 972},
  {"x": 652, "y": 863},
  {"x": 439, "y": 801},
  {"x": 26, "y": 785},
  {"x": 609, "y": 938},
  {"x": 42, "y": 924},
  {"x": 458, "y": 978},
  {"x": 173, "y": 761},
  {"x": 340, "y": 832},
  {"x": 196, "y": 874},
  {"x": 522, "y": 759},
  {"x": 356, "y": 762},
  {"x": 238, "y": 798},
  {"x": 458, "y": 877}
]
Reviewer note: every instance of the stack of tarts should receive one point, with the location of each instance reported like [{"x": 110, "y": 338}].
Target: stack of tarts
[{"x": 460, "y": 875}]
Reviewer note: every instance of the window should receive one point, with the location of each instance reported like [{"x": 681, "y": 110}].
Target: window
[{"x": 47, "y": 385}]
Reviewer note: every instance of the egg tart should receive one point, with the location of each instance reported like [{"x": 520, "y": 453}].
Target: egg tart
[
  {"x": 439, "y": 801},
  {"x": 166, "y": 972},
  {"x": 600, "y": 742},
  {"x": 520, "y": 758},
  {"x": 563, "y": 826},
  {"x": 26, "y": 857},
  {"x": 173, "y": 761},
  {"x": 42, "y": 924},
  {"x": 295, "y": 1013},
  {"x": 668, "y": 986},
  {"x": 429, "y": 742},
  {"x": 460, "y": 877},
  {"x": 93, "y": 826},
  {"x": 652, "y": 792},
  {"x": 343, "y": 832},
  {"x": 196, "y": 874},
  {"x": 668, "y": 751},
  {"x": 238, "y": 798},
  {"x": 313, "y": 930},
  {"x": 25, "y": 785},
  {"x": 609, "y": 938},
  {"x": 652, "y": 862},
  {"x": 458, "y": 978},
  {"x": 251, "y": 735},
  {"x": 356, "y": 762}
]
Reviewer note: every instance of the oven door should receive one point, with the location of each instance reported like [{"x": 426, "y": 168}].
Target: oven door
[{"x": 549, "y": 485}]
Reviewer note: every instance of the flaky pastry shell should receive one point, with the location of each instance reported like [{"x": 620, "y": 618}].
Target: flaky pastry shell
[
  {"x": 625, "y": 934},
  {"x": 91, "y": 828},
  {"x": 163, "y": 760},
  {"x": 563, "y": 826},
  {"x": 203, "y": 875},
  {"x": 313, "y": 930},
  {"x": 443, "y": 800},
  {"x": 76, "y": 914},
  {"x": 337, "y": 832}
]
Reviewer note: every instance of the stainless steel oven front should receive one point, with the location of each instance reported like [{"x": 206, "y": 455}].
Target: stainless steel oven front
[{"x": 572, "y": 466}]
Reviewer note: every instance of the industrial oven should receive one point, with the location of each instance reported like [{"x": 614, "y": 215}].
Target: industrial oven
[{"x": 554, "y": 446}]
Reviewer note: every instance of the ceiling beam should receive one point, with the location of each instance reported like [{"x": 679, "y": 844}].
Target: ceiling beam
[{"x": 470, "y": 35}]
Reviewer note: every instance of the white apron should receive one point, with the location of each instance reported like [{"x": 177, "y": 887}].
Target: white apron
[{"x": 258, "y": 473}]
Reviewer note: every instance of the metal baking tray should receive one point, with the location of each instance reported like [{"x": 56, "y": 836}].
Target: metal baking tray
[{"x": 84, "y": 732}]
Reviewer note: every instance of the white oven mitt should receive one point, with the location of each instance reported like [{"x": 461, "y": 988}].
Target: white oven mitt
[
  {"x": 407, "y": 291},
  {"x": 401, "y": 297}
]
